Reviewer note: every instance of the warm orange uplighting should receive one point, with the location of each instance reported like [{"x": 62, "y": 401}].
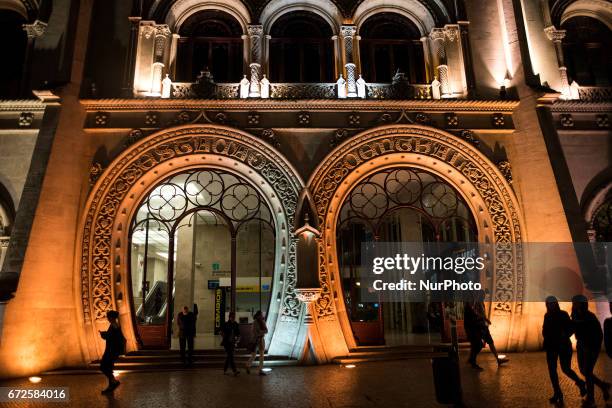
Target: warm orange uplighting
[
  {"x": 35, "y": 380},
  {"x": 117, "y": 373},
  {"x": 350, "y": 366}
]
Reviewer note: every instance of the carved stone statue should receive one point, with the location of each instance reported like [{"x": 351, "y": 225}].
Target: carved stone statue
[
  {"x": 435, "y": 89},
  {"x": 341, "y": 83},
  {"x": 166, "y": 87},
  {"x": 361, "y": 87},
  {"x": 264, "y": 87},
  {"x": 244, "y": 88}
]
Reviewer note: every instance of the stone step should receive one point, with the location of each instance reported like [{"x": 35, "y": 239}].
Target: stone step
[{"x": 383, "y": 353}]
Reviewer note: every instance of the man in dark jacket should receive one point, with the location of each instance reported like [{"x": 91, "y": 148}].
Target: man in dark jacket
[
  {"x": 115, "y": 346},
  {"x": 589, "y": 337},
  {"x": 557, "y": 330},
  {"x": 231, "y": 333},
  {"x": 186, "y": 321}
]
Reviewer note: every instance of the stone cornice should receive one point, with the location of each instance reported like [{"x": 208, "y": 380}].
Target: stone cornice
[
  {"x": 290, "y": 105},
  {"x": 21, "y": 105},
  {"x": 581, "y": 106}
]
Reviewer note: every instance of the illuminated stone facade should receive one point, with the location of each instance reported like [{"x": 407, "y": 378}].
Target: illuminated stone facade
[{"x": 488, "y": 100}]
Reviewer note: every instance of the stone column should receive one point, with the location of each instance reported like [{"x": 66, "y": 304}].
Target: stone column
[
  {"x": 130, "y": 58},
  {"x": 439, "y": 59},
  {"x": 162, "y": 32},
  {"x": 557, "y": 36},
  {"x": 255, "y": 33},
  {"x": 35, "y": 30},
  {"x": 468, "y": 63},
  {"x": 427, "y": 60},
  {"x": 347, "y": 34}
]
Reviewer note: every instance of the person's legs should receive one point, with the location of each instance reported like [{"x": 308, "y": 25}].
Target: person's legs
[
  {"x": 475, "y": 347},
  {"x": 190, "y": 349},
  {"x": 262, "y": 352},
  {"x": 230, "y": 356},
  {"x": 107, "y": 366},
  {"x": 583, "y": 364},
  {"x": 182, "y": 343},
  {"x": 227, "y": 358},
  {"x": 551, "y": 361},
  {"x": 591, "y": 357},
  {"x": 565, "y": 359}
]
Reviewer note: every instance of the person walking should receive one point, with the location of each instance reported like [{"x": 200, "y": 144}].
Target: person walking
[
  {"x": 186, "y": 321},
  {"x": 557, "y": 330},
  {"x": 608, "y": 334},
  {"x": 589, "y": 337},
  {"x": 258, "y": 342},
  {"x": 476, "y": 325},
  {"x": 115, "y": 346},
  {"x": 231, "y": 334}
]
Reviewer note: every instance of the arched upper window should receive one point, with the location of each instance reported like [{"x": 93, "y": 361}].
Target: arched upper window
[
  {"x": 586, "y": 48},
  {"x": 301, "y": 49},
  {"x": 391, "y": 43},
  {"x": 210, "y": 40},
  {"x": 11, "y": 69}
]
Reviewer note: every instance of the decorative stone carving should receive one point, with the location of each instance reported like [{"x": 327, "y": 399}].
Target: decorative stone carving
[
  {"x": 498, "y": 120},
  {"x": 94, "y": 173},
  {"x": 421, "y": 117},
  {"x": 269, "y": 136},
  {"x": 506, "y": 169},
  {"x": 253, "y": 119},
  {"x": 452, "y": 32},
  {"x": 339, "y": 136},
  {"x": 603, "y": 121},
  {"x": 26, "y": 119},
  {"x": 469, "y": 137},
  {"x": 105, "y": 205},
  {"x": 303, "y": 118},
  {"x": 36, "y": 29},
  {"x": 452, "y": 120},
  {"x": 308, "y": 297},
  {"x": 354, "y": 119},
  {"x": 183, "y": 117},
  {"x": 554, "y": 34},
  {"x": 567, "y": 121},
  {"x": 101, "y": 119},
  {"x": 492, "y": 189},
  {"x": 151, "y": 119},
  {"x": 303, "y": 91},
  {"x": 134, "y": 136}
]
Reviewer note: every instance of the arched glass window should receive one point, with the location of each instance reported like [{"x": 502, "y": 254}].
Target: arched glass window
[
  {"x": 210, "y": 40},
  {"x": 395, "y": 206},
  {"x": 301, "y": 49},
  {"x": 586, "y": 49},
  {"x": 14, "y": 47},
  {"x": 202, "y": 239},
  {"x": 391, "y": 43}
]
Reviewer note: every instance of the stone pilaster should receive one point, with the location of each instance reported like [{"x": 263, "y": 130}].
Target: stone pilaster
[
  {"x": 438, "y": 51},
  {"x": 347, "y": 33},
  {"x": 557, "y": 36},
  {"x": 255, "y": 33},
  {"x": 35, "y": 30}
]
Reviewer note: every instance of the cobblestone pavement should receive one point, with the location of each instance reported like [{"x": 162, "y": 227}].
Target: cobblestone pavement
[{"x": 406, "y": 383}]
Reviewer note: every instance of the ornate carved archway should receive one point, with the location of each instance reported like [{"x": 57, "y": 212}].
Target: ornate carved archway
[
  {"x": 475, "y": 177},
  {"x": 102, "y": 253}
]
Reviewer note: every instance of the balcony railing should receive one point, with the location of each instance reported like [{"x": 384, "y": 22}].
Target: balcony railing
[
  {"x": 595, "y": 93},
  {"x": 211, "y": 90}
]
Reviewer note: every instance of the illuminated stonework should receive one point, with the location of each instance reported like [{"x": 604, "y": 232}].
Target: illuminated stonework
[{"x": 486, "y": 190}]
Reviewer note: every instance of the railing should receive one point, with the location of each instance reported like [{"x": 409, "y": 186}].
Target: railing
[
  {"x": 595, "y": 93},
  {"x": 326, "y": 90}
]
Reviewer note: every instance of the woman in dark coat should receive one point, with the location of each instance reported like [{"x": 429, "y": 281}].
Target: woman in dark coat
[
  {"x": 557, "y": 330},
  {"x": 589, "y": 337},
  {"x": 115, "y": 346}
]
